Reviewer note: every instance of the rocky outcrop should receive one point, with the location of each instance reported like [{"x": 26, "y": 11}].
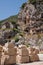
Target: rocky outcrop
[
  {"x": 30, "y": 18},
  {"x": 28, "y": 29},
  {"x": 7, "y": 25},
  {"x": 8, "y": 34}
]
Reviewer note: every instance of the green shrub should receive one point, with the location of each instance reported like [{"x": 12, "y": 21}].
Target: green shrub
[
  {"x": 16, "y": 39},
  {"x": 27, "y": 45},
  {"x": 15, "y": 30},
  {"x": 32, "y": 1},
  {"x": 23, "y": 5},
  {"x": 13, "y": 22},
  {"x": 21, "y": 34}
]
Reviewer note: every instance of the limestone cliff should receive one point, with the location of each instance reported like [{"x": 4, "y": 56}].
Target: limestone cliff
[{"x": 30, "y": 17}]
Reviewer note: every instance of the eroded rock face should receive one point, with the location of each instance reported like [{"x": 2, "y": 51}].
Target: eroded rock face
[
  {"x": 2, "y": 41},
  {"x": 30, "y": 18},
  {"x": 7, "y": 24},
  {"x": 7, "y": 31},
  {"x": 8, "y": 34}
]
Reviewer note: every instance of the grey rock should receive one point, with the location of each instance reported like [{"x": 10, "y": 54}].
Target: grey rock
[
  {"x": 34, "y": 23},
  {"x": 7, "y": 34}
]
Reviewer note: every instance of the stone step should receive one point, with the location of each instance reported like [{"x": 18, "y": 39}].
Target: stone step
[{"x": 40, "y": 57}]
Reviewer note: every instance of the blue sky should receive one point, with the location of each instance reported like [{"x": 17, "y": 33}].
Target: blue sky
[{"x": 9, "y": 7}]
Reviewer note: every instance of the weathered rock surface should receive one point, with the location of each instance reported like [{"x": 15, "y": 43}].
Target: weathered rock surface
[
  {"x": 29, "y": 26},
  {"x": 31, "y": 18}
]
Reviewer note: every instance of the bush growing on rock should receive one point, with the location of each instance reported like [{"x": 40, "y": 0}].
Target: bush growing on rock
[
  {"x": 23, "y": 5},
  {"x": 32, "y": 1}
]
